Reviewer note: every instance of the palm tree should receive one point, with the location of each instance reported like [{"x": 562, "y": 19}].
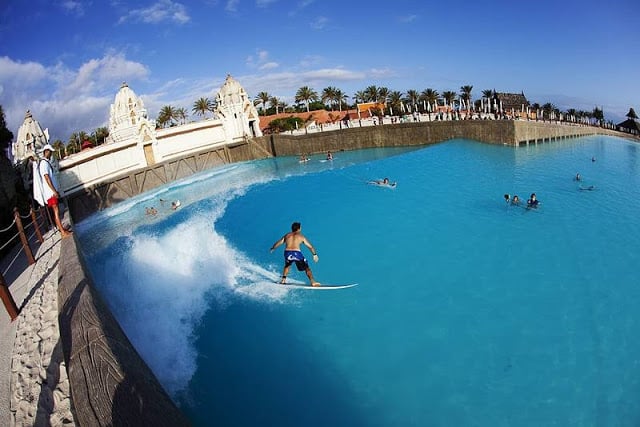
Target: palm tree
[
  {"x": 598, "y": 115},
  {"x": 449, "y": 96},
  {"x": 74, "y": 143},
  {"x": 58, "y": 145},
  {"x": 166, "y": 116},
  {"x": 306, "y": 94},
  {"x": 547, "y": 109},
  {"x": 275, "y": 103},
  {"x": 359, "y": 97},
  {"x": 383, "y": 94},
  {"x": 263, "y": 98},
  {"x": 395, "y": 100},
  {"x": 412, "y": 97},
  {"x": 430, "y": 95},
  {"x": 101, "y": 134},
  {"x": 202, "y": 105},
  {"x": 329, "y": 96},
  {"x": 181, "y": 115},
  {"x": 465, "y": 94},
  {"x": 371, "y": 94},
  {"x": 340, "y": 98}
]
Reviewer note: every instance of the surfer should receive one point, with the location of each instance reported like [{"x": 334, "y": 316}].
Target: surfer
[{"x": 292, "y": 253}]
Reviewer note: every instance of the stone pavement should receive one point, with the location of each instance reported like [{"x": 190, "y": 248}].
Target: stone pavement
[{"x": 34, "y": 389}]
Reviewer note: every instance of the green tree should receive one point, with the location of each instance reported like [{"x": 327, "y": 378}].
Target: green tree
[
  {"x": 328, "y": 96},
  {"x": 181, "y": 115},
  {"x": 167, "y": 116},
  {"x": 101, "y": 135},
  {"x": 383, "y": 94},
  {"x": 359, "y": 97},
  {"x": 430, "y": 95},
  {"x": 58, "y": 145},
  {"x": 306, "y": 94},
  {"x": 465, "y": 94},
  {"x": 341, "y": 98},
  {"x": 263, "y": 98},
  {"x": 275, "y": 104},
  {"x": 449, "y": 96},
  {"x": 598, "y": 114},
  {"x": 412, "y": 97},
  {"x": 202, "y": 106},
  {"x": 6, "y": 136},
  {"x": 371, "y": 94},
  {"x": 394, "y": 101}
]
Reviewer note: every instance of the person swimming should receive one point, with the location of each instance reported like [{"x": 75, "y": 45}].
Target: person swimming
[
  {"x": 507, "y": 198},
  {"x": 578, "y": 177},
  {"x": 533, "y": 201},
  {"x": 515, "y": 201},
  {"x": 383, "y": 182}
]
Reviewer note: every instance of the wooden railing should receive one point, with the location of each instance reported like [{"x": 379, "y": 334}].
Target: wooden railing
[{"x": 5, "y": 294}]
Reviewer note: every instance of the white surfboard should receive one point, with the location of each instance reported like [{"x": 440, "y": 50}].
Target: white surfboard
[{"x": 322, "y": 287}]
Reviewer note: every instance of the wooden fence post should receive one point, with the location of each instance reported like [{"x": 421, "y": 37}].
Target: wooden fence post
[
  {"x": 7, "y": 299},
  {"x": 36, "y": 226},
  {"x": 23, "y": 237}
]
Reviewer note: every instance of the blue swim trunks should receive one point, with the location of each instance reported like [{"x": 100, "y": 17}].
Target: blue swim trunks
[{"x": 295, "y": 256}]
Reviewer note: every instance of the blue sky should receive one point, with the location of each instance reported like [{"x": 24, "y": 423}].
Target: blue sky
[{"x": 65, "y": 60}]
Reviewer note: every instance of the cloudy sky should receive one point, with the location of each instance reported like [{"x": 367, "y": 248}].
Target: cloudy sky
[{"x": 65, "y": 60}]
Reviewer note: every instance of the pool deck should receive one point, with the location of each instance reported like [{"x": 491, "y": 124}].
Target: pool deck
[{"x": 34, "y": 388}]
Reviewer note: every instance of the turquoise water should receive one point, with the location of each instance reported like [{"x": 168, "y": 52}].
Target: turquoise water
[{"x": 468, "y": 311}]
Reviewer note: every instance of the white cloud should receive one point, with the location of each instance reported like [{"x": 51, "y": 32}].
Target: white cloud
[
  {"x": 407, "y": 18},
  {"x": 64, "y": 99},
  {"x": 264, "y": 3},
  {"x": 319, "y": 23},
  {"x": 269, "y": 66},
  {"x": 232, "y": 6},
  {"x": 163, "y": 10},
  {"x": 74, "y": 7},
  {"x": 104, "y": 73},
  {"x": 261, "y": 60}
]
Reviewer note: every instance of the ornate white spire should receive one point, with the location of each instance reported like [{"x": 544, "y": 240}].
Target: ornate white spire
[
  {"x": 128, "y": 116},
  {"x": 234, "y": 106},
  {"x": 31, "y": 138}
]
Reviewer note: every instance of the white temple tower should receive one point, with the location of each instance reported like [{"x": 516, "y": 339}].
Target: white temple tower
[
  {"x": 128, "y": 118},
  {"x": 236, "y": 110},
  {"x": 30, "y": 140}
]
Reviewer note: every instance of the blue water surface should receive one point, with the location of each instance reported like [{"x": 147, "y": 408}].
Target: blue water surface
[{"x": 468, "y": 311}]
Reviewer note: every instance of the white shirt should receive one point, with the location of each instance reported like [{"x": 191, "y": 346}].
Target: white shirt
[{"x": 45, "y": 169}]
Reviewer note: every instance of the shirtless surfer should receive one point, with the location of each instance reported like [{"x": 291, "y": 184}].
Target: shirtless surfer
[{"x": 292, "y": 253}]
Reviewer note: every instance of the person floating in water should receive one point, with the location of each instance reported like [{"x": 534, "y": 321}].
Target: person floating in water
[
  {"x": 589, "y": 188},
  {"x": 507, "y": 198},
  {"x": 292, "y": 253},
  {"x": 515, "y": 201},
  {"x": 329, "y": 155},
  {"x": 578, "y": 177},
  {"x": 384, "y": 182},
  {"x": 593, "y": 159},
  {"x": 533, "y": 201}
]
